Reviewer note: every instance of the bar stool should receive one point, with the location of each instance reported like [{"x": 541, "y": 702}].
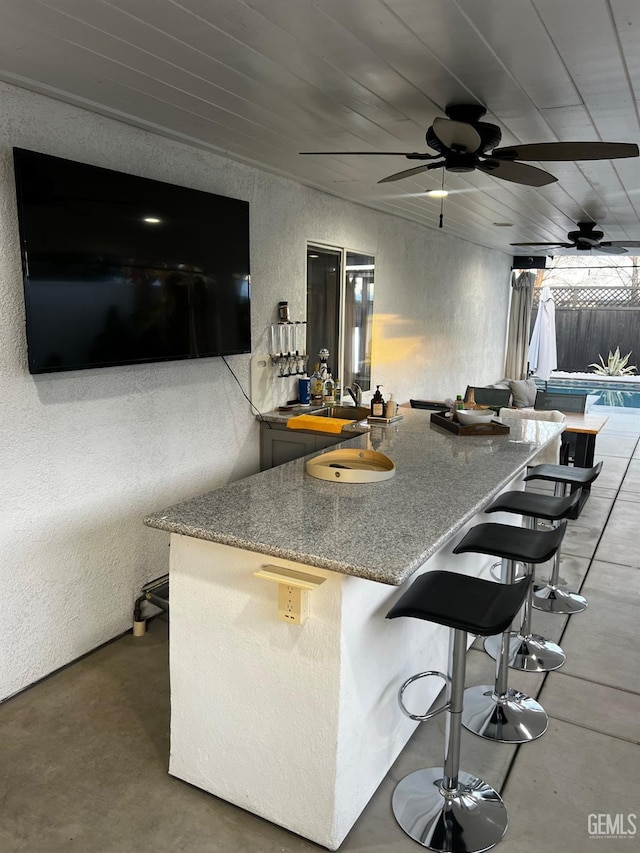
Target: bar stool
[
  {"x": 499, "y": 712},
  {"x": 446, "y": 809},
  {"x": 553, "y": 598},
  {"x": 528, "y": 651}
]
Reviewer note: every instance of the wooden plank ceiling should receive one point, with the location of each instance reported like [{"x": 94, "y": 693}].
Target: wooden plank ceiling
[{"x": 262, "y": 80}]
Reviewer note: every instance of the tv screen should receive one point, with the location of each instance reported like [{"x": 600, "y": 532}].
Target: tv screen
[{"x": 124, "y": 270}]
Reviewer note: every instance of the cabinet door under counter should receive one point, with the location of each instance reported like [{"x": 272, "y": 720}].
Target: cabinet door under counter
[{"x": 279, "y": 444}]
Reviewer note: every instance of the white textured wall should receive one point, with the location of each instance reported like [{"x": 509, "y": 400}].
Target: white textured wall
[
  {"x": 84, "y": 455},
  {"x": 296, "y": 723}
]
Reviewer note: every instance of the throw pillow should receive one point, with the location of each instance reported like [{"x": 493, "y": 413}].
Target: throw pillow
[{"x": 524, "y": 392}]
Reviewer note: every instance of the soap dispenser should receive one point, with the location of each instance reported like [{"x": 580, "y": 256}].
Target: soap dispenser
[{"x": 377, "y": 404}]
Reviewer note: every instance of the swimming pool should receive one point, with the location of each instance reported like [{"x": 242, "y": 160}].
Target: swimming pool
[{"x": 620, "y": 393}]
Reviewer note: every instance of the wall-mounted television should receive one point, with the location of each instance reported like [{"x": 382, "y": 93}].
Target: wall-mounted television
[{"x": 120, "y": 269}]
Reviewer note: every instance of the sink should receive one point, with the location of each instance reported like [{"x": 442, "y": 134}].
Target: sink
[{"x": 349, "y": 413}]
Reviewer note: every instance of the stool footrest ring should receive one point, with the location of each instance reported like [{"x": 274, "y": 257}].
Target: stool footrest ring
[
  {"x": 422, "y": 717},
  {"x": 495, "y": 570}
]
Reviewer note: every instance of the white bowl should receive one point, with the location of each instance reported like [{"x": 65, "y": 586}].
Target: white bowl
[{"x": 467, "y": 417}]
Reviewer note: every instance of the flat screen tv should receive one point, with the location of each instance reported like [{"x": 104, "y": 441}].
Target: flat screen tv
[{"x": 124, "y": 270}]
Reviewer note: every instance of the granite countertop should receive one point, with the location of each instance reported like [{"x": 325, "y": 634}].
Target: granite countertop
[{"x": 380, "y": 531}]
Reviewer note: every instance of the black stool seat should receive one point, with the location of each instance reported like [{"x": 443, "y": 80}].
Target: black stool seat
[
  {"x": 448, "y": 810},
  {"x": 512, "y": 543},
  {"x": 498, "y": 712},
  {"x": 462, "y": 602},
  {"x": 565, "y": 474},
  {"x": 531, "y": 652},
  {"x": 552, "y": 598},
  {"x": 445, "y": 808},
  {"x": 532, "y": 505}
]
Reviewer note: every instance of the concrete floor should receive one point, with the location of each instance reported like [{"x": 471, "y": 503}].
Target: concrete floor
[{"x": 83, "y": 754}]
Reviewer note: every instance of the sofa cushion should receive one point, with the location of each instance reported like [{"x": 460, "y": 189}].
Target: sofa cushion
[{"x": 524, "y": 392}]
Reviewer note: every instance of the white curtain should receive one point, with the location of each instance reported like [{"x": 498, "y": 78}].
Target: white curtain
[{"x": 519, "y": 324}]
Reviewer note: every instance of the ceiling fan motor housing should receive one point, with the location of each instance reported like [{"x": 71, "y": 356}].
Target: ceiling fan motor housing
[
  {"x": 461, "y": 162},
  {"x": 587, "y": 236}
]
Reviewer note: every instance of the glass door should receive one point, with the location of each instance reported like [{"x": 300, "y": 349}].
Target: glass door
[
  {"x": 340, "y": 286},
  {"x": 324, "y": 276}
]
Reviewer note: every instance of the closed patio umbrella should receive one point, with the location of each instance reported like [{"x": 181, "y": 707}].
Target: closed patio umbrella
[{"x": 543, "y": 352}]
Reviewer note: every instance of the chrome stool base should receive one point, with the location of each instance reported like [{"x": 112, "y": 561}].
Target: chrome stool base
[
  {"x": 512, "y": 717},
  {"x": 554, "y": 599},
  {"x": 528, "y": 654},
  {"x": 470, "y": 819}
]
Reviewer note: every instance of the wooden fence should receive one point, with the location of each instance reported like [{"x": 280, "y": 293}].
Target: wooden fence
[{"x": 591, "y": 321}]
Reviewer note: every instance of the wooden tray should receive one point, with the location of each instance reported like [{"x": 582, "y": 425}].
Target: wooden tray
[
  {"x": 492, "y": 428},
  {"x": 372, "y": 419},
  {"x": 348, "y": 465}
]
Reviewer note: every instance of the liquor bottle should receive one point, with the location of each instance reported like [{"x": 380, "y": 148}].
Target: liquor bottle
[
  {"x": 316, "y": 385},
  {"x": 328, "y": 390},
  {"x": 377, "y": 404},
  {"x": 470, "y": 402},
  {"x": 337, "y": 392},
  {"x": 324, "y": 363}
]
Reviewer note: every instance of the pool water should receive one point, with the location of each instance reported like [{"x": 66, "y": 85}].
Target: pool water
[{"x": 619, "y": 394}]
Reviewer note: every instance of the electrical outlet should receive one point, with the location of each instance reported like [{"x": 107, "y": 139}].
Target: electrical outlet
[
  {"x": 294, "y": 588},
  {"x": 293, "y": 604}
]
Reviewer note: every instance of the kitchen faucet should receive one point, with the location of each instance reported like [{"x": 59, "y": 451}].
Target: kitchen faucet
[{"x": 355, "y": 392}]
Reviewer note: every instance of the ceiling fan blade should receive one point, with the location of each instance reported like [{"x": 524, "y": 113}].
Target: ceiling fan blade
[
  {"x": 407, "y": 173},
  {"x": 414, "y": 155},
  {"x": 541, "y": 151},
  {"x": 457, "y": 134},
  {"x": 610, "y": 249},
  {"x": 626, "y": 244},
  {"x": 555, "y": 245},
  {"x": 518, "y": 173}
]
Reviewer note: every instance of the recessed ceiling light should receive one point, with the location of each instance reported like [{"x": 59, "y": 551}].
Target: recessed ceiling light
[
  {"x": 437, "y": 193},
  {"x": 503, "y": 224},
  {"x": 152, "y": 220}
]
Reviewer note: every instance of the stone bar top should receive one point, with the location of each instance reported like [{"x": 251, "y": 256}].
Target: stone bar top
[{"x": 381, "y": 531}]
